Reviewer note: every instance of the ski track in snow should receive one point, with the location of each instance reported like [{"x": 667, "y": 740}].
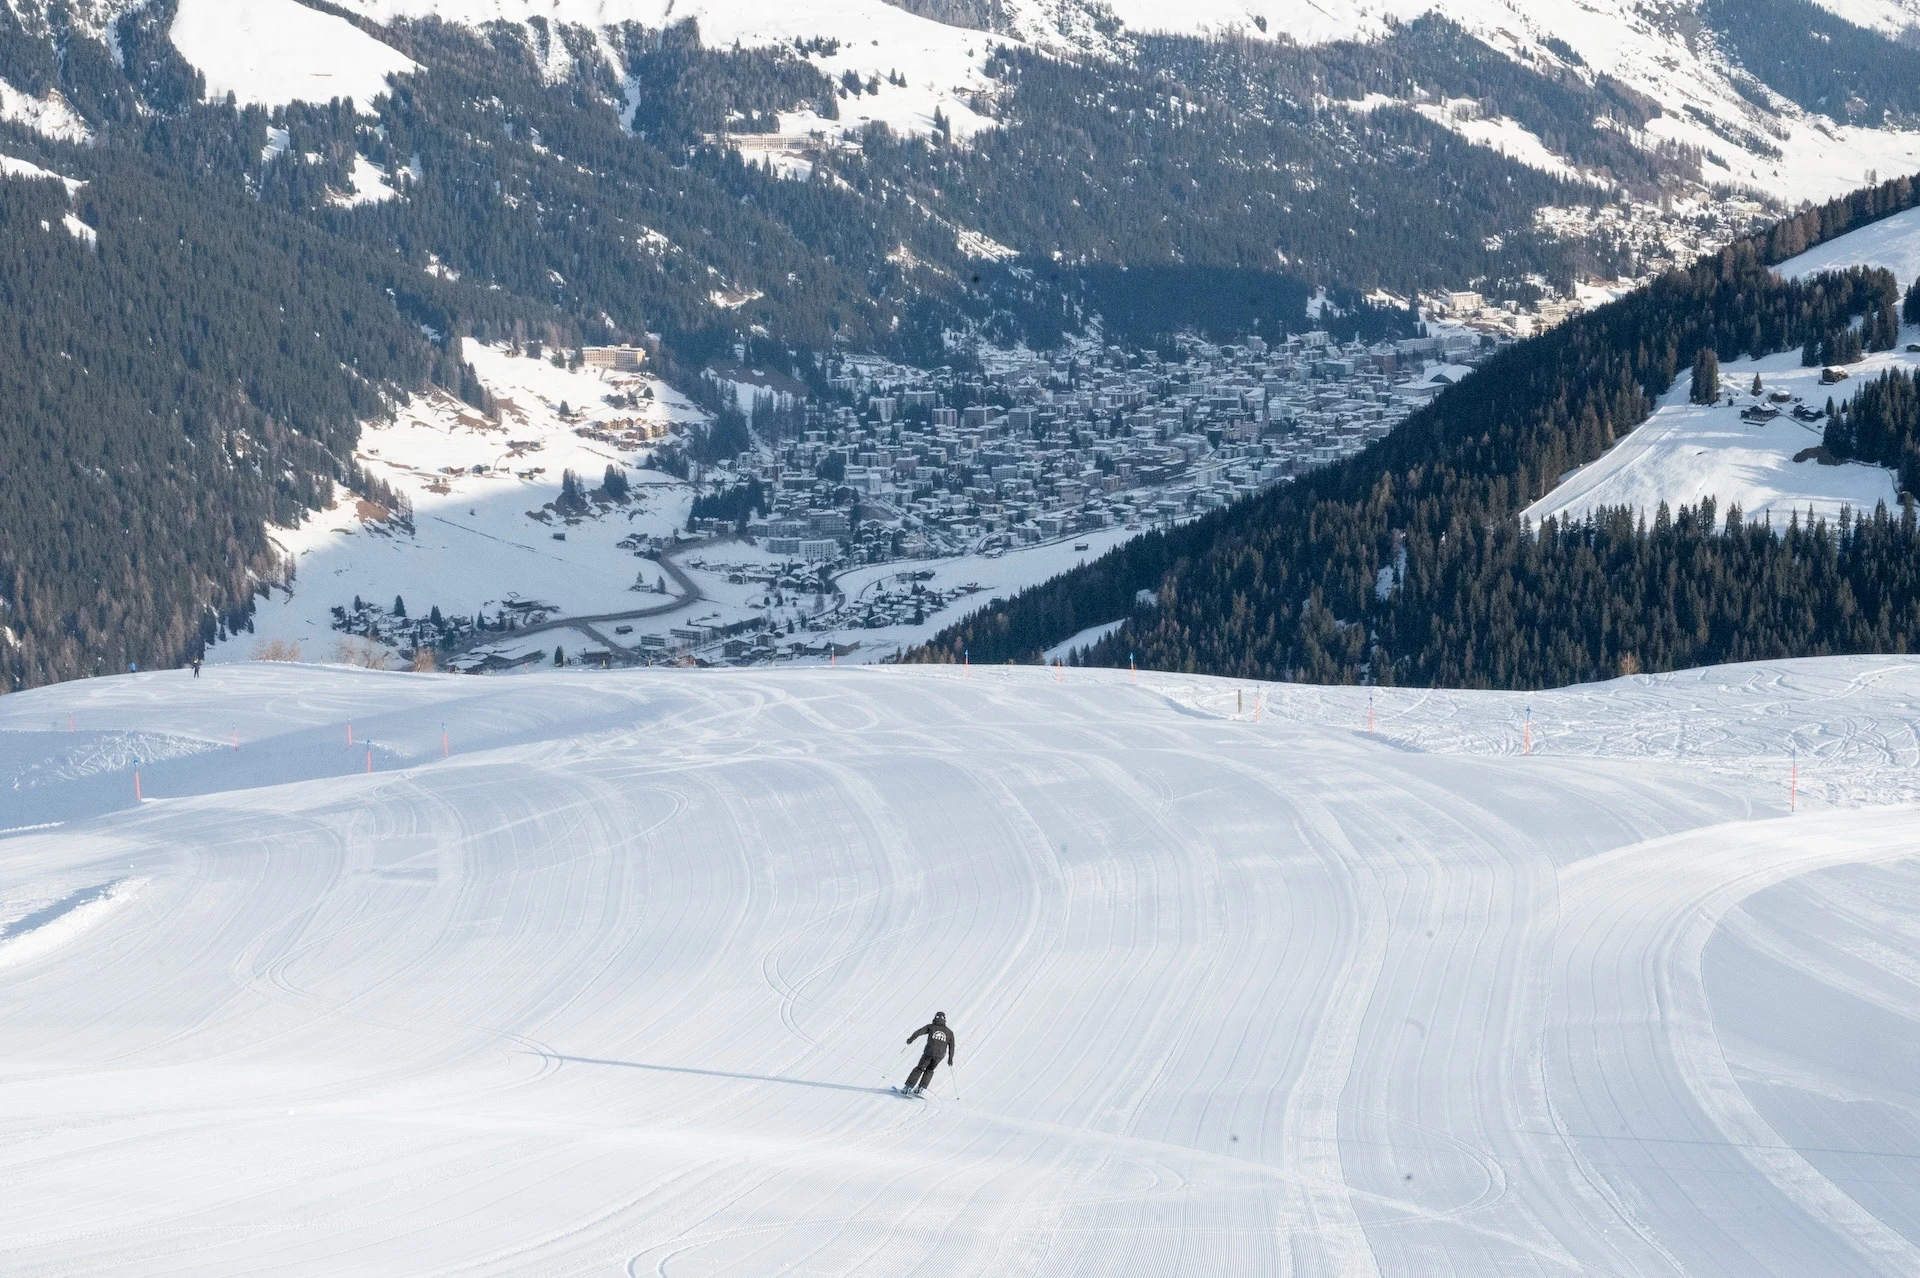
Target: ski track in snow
[{"x": 1239, "y": 985}]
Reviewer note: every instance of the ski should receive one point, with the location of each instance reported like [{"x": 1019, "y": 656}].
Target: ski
[{"x": 901, "y": 1091}]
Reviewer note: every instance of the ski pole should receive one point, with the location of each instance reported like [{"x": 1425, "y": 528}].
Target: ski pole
[{"x": 954, "y": 1070}]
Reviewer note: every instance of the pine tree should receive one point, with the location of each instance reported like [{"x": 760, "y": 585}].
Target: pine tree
[
  {"x": 1756, "y": 388},
  {"x": 559, "y": 655},
  {"x": 1706, "y": 376},
  {"x": 573, "y": 494},
  {"x": 399, "y": 607},
  {"x": 1883, "y": 327}
]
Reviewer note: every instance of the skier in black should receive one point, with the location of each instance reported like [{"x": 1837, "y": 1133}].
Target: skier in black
[{"x": 939, "y": 1043}]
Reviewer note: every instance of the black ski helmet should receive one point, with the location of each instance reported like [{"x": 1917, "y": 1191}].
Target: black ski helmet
[{"x": 939, "y": 1018}]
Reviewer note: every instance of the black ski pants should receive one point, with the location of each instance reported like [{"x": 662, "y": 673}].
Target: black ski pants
[{"x": 923, "y": 1072}]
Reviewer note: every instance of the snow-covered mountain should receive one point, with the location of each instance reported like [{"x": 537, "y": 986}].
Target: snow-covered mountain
[
  {"x": 1660, "y": 50},
  {"x": 1747, "y": 133},
  {"x": 1752, "y": 136},
  {"x": 1750, "y": 133},
  {"x": 564, "y": 171},
  {"x": 611, "y": 974}
]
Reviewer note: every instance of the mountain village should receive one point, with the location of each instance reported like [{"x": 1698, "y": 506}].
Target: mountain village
[
  {"x": 1097, "y": 438},
  {"x": 903, "y": 464}
]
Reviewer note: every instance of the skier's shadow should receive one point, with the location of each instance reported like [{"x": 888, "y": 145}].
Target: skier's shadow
[{"x": 721, "y": 1073}]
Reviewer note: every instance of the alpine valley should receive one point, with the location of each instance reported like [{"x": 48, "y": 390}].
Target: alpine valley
[{"x": 927, "y": 303}]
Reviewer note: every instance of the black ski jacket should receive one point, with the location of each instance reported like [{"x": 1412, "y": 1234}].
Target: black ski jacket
[{"x": 938, "y": 1037}]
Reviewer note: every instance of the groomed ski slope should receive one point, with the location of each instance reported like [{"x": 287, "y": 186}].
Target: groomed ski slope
[{"x": 618, "y": 984}]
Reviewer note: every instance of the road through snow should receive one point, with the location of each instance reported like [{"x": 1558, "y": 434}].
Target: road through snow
[{"x": 619, "y": 985}]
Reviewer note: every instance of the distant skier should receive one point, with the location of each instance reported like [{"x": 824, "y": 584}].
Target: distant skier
[
  {"x": 196, "y": 667},
  {"x": 939, "y": 1043}
]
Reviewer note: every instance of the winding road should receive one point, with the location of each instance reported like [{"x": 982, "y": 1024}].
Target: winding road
[{"x": 690, "y": 594}]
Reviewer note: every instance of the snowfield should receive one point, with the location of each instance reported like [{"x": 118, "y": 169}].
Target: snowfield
[
  {"x": 1892, "y": 242},
  {"x": 273, "y": 52},
  {"x": 49, "y": 115},
  {"x": 475, "y": 486},
  {"x": 613, "y": 976},
  {"x": 1000, "y": 577},
  {"x": 941, "y": 64},
  {"x": 1685, "y": 452}
]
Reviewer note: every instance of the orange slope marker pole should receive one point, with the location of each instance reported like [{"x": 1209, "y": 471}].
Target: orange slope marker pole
[
  {"x": 136, "y": 787},
  {"x": 369, "y": 758},
  {"x": 1369, "y": 712},
  {"x": 445, "y": 752}
]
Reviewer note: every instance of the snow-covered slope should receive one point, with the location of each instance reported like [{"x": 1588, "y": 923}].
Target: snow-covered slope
[
  {"x": 11, "y": 167},
  {"x": 1651, "y": 48},
  {"x": 1685, "y": 452},
  {"x": 1656, "y": 50},
  {"x": 619, "y": 984},
  {"x": 50, "y": 115},
  {"x": 1892, "y": 243},
  {"x": 278, "y": 51},
  {"x": 1889, "y": 17},
  {"x": 481, "y": 493},
  {"x": 941, "y": 64}
]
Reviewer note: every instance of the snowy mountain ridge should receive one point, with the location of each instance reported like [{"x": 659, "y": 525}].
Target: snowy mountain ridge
[
  {"x": 1661, "y": 51},
  {"x": 1752, "y": 136}
]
